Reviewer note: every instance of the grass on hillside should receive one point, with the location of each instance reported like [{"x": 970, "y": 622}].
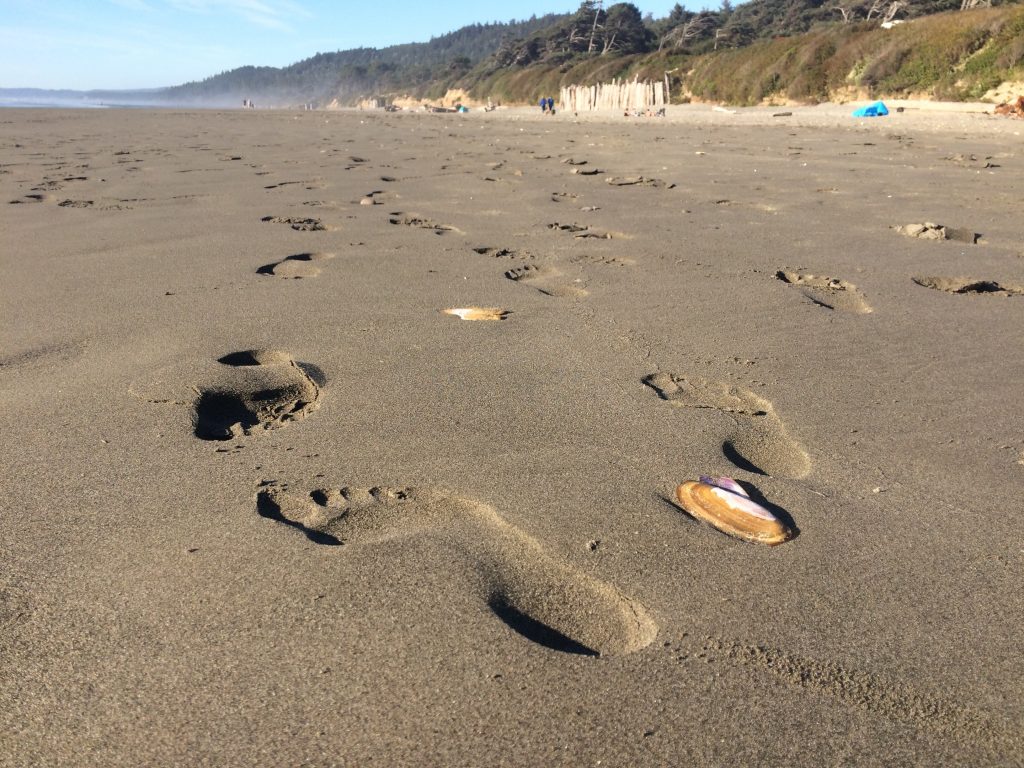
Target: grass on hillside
[
  {"x": 527, "y": 84},
  {"x": 954, "y": 56}
]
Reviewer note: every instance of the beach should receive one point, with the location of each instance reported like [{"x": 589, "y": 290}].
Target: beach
[{"x": 266, "y": 502}]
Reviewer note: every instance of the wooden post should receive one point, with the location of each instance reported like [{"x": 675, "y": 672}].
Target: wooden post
[{"x": 620, "y": 95}]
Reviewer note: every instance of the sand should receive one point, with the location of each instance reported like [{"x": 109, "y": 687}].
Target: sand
[{"x": 265, "y": 502}]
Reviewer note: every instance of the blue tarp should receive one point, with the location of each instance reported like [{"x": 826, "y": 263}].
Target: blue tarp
[{"x": 878, "y": 109}]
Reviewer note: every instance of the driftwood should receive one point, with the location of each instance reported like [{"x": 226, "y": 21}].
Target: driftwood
[
  {"x": 629, "y": 96},
  {"x": 1012, "y": 108}
]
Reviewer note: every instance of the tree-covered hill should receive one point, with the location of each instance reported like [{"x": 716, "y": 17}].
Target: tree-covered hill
[
  {"x": 348, "y": 75},
  {"x": 802, "y": 50},
  {"x": 762, "y": 49}
]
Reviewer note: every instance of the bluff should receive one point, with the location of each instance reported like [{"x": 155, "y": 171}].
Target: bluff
[{"x": 781, "y": 50}]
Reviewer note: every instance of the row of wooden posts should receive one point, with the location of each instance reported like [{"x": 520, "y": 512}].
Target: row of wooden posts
[
  {"x": 631, "y": 96},
  {"x": 623, "y": 96}
]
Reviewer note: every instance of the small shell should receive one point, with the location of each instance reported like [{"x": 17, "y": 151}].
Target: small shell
[
  {"x": 731, "y": 513},
  {"x": 478, "y": 313}
]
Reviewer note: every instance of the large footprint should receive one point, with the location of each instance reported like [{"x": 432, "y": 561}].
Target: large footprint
[
  {"x": 258, "y": 390},
  {"x": 295, "y": 267},
  {"x": 760, "y": 443},
  {"x": 544, "y": 600},
  {"x": 969, "y": 285},
  {"x": 547, "y": 280},
  {"x": 828, "y": 292},
  {"x": 420, "y": 222}
]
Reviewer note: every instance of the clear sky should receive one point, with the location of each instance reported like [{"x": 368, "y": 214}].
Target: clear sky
[{"x": 85, "y": 44}]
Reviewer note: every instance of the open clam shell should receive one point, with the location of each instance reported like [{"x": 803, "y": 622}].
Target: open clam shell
[
  {"x": 731, "y": 512},
  {"x": 478, "y": 313}
]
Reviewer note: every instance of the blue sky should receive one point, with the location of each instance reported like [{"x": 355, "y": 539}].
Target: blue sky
[{"x": 83, "y": 44}]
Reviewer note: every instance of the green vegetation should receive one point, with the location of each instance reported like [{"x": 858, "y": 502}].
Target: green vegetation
[
  {"x": 347, "y": 76},
  {"x": 793, "y": 50},
  {"x": 955, "y": 56}
]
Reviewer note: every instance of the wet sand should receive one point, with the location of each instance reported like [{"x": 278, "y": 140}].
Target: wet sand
[{"x": 264, "y": 501}]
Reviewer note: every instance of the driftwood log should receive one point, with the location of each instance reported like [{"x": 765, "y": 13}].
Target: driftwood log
[{"x": 622, "y": 96}]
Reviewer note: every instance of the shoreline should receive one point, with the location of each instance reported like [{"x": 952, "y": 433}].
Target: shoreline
[{"x": 919, "y": 115}]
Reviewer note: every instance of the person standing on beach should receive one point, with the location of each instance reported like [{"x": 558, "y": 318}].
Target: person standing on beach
[
  {"x": 551, "y": 106},
  {"x": 543, "y": 104}
]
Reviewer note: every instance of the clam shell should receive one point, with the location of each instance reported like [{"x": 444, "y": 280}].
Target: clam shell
[
  {"x": 732, "y": 513},
  {"x": 478, "y": 313}
]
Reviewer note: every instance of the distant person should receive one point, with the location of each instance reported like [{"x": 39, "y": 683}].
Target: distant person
[
  {"x": 543, "y": 104},
  {"x": 551, "y": 106}
]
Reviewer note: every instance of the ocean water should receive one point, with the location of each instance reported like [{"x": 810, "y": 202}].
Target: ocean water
[{"x": 49, "y": 104}]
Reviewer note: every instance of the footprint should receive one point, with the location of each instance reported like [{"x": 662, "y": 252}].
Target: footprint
[
  {"x": 532, "y": 593},
  {"x": 502, "y": 253},
  {"x": 828, "y": 292},
  {"x": 544, "y": 279},
  {"x": 602, "y": 261},
  {"x": 558, "y": 197},
  {"x": 931, "y": 231},
  {"x": 412, "y": 220},
  {"x": 296, "y": 267},
  {"x": 46, "y": 353},
  {"x": 633, "y": 181},
  {"x": 580, "y": 231},
  {"x": 972, "y": 161},
  {"x": 297, "y": 223},
  {"x": 760, "y": 443},
  {"x": 34, "y": 198},
  {"x": 259, "y": 390},
  {"x": 306, "y": 184},
  {"x": 969, "y": 285}
]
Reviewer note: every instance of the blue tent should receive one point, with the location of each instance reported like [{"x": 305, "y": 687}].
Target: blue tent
[{"x": 878, "y": 109}]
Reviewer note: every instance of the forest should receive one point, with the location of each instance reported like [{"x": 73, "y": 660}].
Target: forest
[{"x": 805, "y": 50}]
